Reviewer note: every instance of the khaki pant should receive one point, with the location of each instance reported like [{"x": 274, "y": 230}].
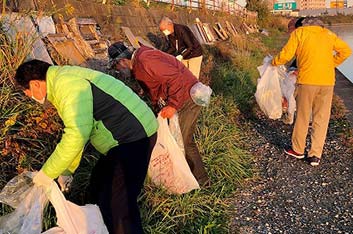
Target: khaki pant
[
  {"x": 194, "y": 65},
  {"x": 315, "y": 100}
]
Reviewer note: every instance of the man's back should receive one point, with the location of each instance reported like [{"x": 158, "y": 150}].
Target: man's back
[{"x": 314, "y": 48}]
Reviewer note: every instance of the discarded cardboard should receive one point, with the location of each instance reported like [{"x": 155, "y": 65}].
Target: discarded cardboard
[
  {"x": 67, "y": 49},
  {"x": 86, "y": 21},
  {"x": 219, "y": 33},
  {"x": 234, "y": 29},
  {"x": 230, "y": 29},
  {"x": 201, "y": 31},
  {"x": 221, "y": 29},
  {"x": 88, "y": 29},
  {"x": 131, "y": 37},
  {"x": 144, "y": 42},
  {"x": 209, "y": 35},
  {"x": 79, "y": 41}
]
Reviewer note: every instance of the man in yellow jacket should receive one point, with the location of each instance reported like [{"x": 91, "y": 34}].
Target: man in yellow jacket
[{"x": 318, "y": 52}]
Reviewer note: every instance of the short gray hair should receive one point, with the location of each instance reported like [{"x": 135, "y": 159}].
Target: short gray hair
[
  {"x": 312, "y": 21},
  {"x": 166, "y": 20}
]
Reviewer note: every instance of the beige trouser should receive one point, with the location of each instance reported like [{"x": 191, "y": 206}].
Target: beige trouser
[
  {"x": 194, "y": 65},
  {"x": 316, "y": 100}
]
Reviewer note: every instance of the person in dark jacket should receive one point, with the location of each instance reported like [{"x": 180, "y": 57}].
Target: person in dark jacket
[
  {"x": 167, "y": 82},
  {"x": 183, "y": 44},
  {"x": 98, "y": 108}
]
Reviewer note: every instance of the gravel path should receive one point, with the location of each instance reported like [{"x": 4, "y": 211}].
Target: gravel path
[{"x": 289, "y": 195}]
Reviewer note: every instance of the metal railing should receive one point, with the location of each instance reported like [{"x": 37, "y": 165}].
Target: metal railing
[{"x": 213, "y": 5}]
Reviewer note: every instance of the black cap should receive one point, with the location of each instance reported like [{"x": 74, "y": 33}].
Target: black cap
[
  {"x": 299, "y": 22},
  {"x": 118, "y": 50}
]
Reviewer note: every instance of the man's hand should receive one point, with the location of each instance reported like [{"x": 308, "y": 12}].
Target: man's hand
[
  {"x": 41, "y": 179},
  {"x": 65, "y": 182},
  {"x": 168, "y": 112}
]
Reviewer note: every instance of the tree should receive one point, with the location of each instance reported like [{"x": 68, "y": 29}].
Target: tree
[{"x": 262, "y": 9}]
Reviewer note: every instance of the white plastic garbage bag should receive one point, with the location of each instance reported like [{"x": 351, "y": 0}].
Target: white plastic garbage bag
[
  {"x": 288, "y": 88},
  {"x": 201, "y": 94},
  {"x": 168, "y": 167},
  {"x": 29, "y": 202},
  {"x": 268, "y": 91},
  {"x": 74, "y": 219},
  {"x": 28, "y": 215},
  {"x": 176, "y": 131}
]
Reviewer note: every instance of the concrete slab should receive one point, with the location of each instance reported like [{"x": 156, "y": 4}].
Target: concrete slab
[
  {"x": 131, "y": 37},
  {"x": 16, "y": 25}
]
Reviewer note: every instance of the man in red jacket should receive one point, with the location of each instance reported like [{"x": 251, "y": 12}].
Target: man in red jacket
[{"x": 167, "y": 82}]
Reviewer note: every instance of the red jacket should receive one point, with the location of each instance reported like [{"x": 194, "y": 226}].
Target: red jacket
[{"x": 162, "y": 75}]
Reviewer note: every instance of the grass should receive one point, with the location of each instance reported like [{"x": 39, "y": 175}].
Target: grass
[
  {"x": 29, "y": 133},
  {"x": 203, "y": 211}
]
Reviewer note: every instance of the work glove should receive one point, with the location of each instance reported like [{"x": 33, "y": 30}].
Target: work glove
[
  {"x": 41, "y": 179},
  {"x": 179, "y": 57},
  {"x": 65, "y": 182},
  {"x": 168, "y": 112}
]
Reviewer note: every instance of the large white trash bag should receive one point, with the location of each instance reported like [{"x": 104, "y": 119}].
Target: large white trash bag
[
  {"x": 28, "y": 215},
  {"x": 74, "y": 219},
  {"x": 288, "y": 88},
  {"x": 168, "y": 167},
  {"x": 28, "y": 201},
  {"x": 176, "y": 131},
  {"x": 268, "y": 91}
]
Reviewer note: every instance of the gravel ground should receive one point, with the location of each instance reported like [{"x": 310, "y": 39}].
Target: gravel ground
[{"x": 289, "y": 195}]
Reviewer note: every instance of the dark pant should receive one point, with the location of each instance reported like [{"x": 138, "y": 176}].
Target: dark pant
[
  {"x": 187, "y": 119},
  {"x": 116, "y": 182}
]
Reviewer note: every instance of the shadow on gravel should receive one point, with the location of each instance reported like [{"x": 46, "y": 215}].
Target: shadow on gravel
[{"x": 291, "y": 196}]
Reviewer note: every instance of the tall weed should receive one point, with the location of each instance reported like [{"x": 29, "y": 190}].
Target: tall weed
[{"x": 12, "y": 53}]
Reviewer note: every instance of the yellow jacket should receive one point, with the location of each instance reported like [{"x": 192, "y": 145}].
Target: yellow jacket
[{"x": 318, "y": 52}]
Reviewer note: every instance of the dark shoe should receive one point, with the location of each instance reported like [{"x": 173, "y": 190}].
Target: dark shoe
[
  {"x": 291, "y": 152},
  {"x": 314, "y": 161}
]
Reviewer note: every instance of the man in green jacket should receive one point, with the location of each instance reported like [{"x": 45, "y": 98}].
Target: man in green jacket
[{"x": 96, "y": 107}]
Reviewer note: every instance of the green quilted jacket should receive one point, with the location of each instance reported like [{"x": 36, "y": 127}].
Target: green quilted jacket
[{"x": 93, "y": 106}]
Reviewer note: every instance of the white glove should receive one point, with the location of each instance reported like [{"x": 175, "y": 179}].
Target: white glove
[
  {"x": 179, "y": 57},
  {"x": 41, "y": 179},
  {"x": 65, "y": 182}
]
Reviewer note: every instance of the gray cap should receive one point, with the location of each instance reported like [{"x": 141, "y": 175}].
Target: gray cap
[{"x": 312, "y": 21}]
